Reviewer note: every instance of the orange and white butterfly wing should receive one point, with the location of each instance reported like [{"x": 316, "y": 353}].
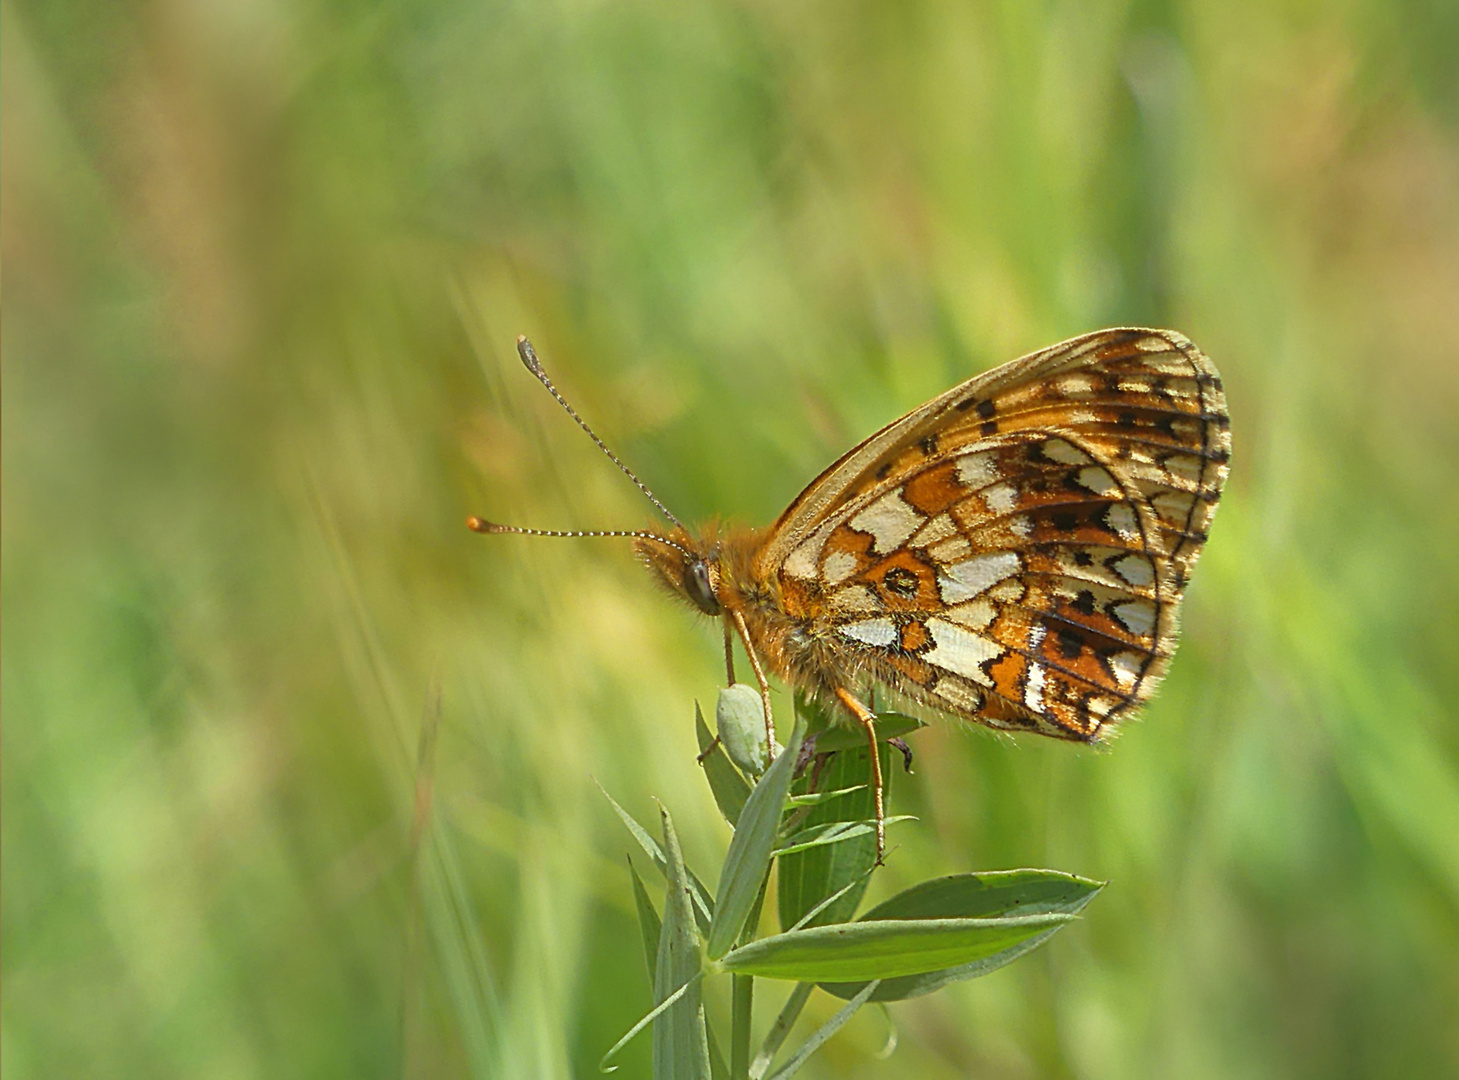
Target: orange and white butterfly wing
[{"x": 1015, "y": 550}]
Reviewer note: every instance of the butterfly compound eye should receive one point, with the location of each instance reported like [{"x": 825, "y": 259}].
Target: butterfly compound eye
[{"x": 699, "y": 589}]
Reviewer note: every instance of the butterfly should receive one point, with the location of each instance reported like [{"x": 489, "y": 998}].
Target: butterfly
[{"x": 1013, "y": 552}]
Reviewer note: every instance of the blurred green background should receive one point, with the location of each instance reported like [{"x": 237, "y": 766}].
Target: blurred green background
[{"x": 264, "y": 264}]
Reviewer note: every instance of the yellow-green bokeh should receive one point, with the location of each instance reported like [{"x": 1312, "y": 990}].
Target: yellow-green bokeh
[{"x": 264, "y": 264}]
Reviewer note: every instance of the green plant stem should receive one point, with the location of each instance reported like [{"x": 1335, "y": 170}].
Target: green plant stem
[
  {"x": 742, "y": 996},
  {"x": 742, "y": 989}
]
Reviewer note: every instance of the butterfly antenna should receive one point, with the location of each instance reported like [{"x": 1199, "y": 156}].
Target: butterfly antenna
[
  {"x": 491, "y": 528},
  {"x": 529, "y": 358}
]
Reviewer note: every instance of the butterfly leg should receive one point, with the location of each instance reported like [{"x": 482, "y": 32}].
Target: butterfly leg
[
  {"x": 729, "y": 654},
  {"x": 729, "y": 668},
  {"x": 759, "y": 678},
  {"x": 867, "y": 719}
]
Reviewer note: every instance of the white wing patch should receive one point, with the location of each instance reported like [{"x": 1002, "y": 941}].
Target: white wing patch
[
  {"x": 939, "y": 528},
  {"x": 853, "y": 600},
  {"x": 889, "y": 520},
  {"x": 977, "y": 470},
  {"x": 1098, "y": 480},
  {"x": 967, "y": 579},
  {"x": 960, "y": 651},
  {"x": 1121, "y": 518},
  {"x": 951, "y": 550},
  {"x": 839, "y": 566},
  {"x": 1136, "y": 569},
  {"x": 1001, "y": 498},
  {"x": 1033, "y": 691},
  {"x": 1065, "y": 452},
  {"x": 881, "y": 631},
  {"x": 1138, "y": 616},
  {"x": 802, "y": 561},
  {"x": 960, "y": 694},
  {"x": 975, "y": 614}
]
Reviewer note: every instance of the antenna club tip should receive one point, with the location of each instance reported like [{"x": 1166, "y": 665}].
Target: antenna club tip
[
  {"x": 481, "y": 525},
  {"x": 528, "y": 355}
]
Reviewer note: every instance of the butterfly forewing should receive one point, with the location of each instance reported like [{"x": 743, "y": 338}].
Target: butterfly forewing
[{"x": 1015, "y": 550}]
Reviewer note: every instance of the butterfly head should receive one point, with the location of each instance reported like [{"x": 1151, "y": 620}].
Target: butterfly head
[{"x": 686, "y": 566}]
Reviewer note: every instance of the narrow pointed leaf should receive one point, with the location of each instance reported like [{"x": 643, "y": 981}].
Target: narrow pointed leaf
[
  {"x": 644, "y": 1021},
  {"x": 703, "y": 907},
  {"x": 729, "y": 787},
  {"x": 821, "y": 1034},
  {"x": 810, "y": 916},
  {"x": 681, "y": 1046},
  {"x": 851, "y": 952},
  {"x": 648, "y": 922},
  {"x": 748, "y": 858},
  {"x": 992, "y": 894},
  {"x": 718, "y": 1070},
  {"x": 815, "y": 798},
  {"x": 834, "y": 832},
  {"x": 789, "y": 1013}
]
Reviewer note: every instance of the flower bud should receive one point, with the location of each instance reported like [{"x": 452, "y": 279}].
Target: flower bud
[{"x": 739, "y": 716}]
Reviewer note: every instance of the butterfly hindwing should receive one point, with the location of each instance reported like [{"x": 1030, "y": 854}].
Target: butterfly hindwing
[{"x": 1014, "y": 551}]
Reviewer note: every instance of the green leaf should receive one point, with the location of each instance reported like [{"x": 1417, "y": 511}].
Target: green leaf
[
  {"x": 681, "y": 1046},
  {"x": 990, "y": 893},
  {"x": 884, "y": 948},
  {"x": 644, "y": 1021},
  {"x": 815, "y": 798},
  {"x": 718, "y": 1070},
  {"x": 807, "y": 877},
  {"x": 809, "y": 918},
  {"x": 993, "y": 894},
  {"x": 730, "y": 789},
  {"x": 833, "y": 832},
  {"x": 748, "y": 858},
  {"x": 846, "y": 737},
  {"x": 821, "y": 1034},
  {"x": 703, "y": 907},
  {"x": 818, "y": 717},
  {"x": 648, "y": 922}
]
